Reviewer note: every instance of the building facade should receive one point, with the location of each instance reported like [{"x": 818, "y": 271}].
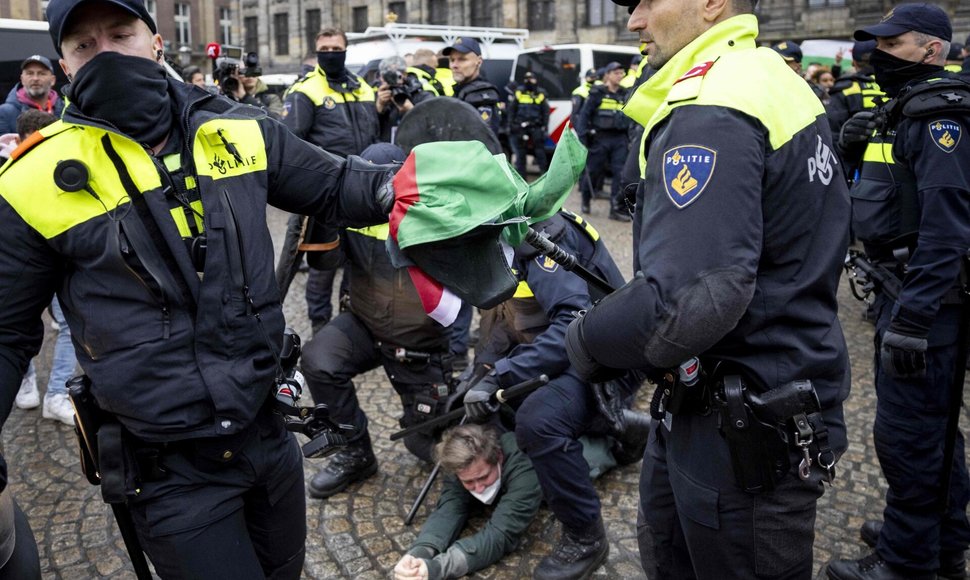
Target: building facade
[{"x": 282, "y": 32}]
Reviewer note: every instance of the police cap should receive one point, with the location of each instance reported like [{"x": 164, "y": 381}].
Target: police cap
[
  {"x": 862, "y": 49},
  {"x": 789, "y": 50},
  {"x": 922, "y": 17},
  {"x": 529, "y": 75},
  {"x": 464, "y": 44},
  {"x": 955, "y": 49},
  {"x": 59, "y": 12},
  {"x": 612, "y": 67}
]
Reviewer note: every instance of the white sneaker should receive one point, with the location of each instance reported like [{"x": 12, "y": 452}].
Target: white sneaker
[
  {"x": 28, "y": 397},
  {"x": 59, "y": 408}
]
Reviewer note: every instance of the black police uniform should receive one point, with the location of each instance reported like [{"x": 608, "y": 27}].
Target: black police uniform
[
  {"x": 385, "y": 326},
  {"x": 180, "y": 351},
  {"x": 740, "y": 230},
  {"x": 523, "y": 337},
  {"x": 485, "y": 97},
  {"x": 340, "y": 116},
  {"x": 528, "y": 118},
  {"x": 911, "y": 210},
  {"x": 603, "y": 128},
  {"x": 849, "y": 95}
]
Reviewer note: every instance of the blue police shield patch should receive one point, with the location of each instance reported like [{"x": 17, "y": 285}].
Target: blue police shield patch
[
  {"x": 547, "y": 263},
  {"x": 946, "y": 134},
  {"x": 686, "y": 172}
]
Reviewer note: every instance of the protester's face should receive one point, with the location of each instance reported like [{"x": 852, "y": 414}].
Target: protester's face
[
  {"x": 37, "y": 80},
  {"x": 826, "y": 80},
  {"x": 904, "y": 46},
  {"x": 330, "y": 44},
  {"x": 96, "y": 27},
  {"x": 665, "y": 27},
  {"x": 198, "y": 79},
  {"x": 479, "y": 475},
  {"x": 464, "y": 65}
]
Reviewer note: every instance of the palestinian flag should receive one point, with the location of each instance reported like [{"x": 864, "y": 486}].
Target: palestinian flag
[{"x": 458, "y": 213}]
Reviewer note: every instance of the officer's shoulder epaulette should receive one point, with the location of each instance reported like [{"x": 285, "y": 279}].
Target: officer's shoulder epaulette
[
  {"x": 30, "y": 143},
  {"x": 935, "y": 97}
]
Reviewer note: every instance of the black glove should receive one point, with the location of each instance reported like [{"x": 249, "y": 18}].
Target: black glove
[
  {"x": 857, "y": 130},
  {"x": 479, "y": 400},
  {"x": 585, "y": 365},
  {"x": 903, "y": 352}
]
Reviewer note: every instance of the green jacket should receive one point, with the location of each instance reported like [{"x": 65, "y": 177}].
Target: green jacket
[{"x": 517, "y": 504}]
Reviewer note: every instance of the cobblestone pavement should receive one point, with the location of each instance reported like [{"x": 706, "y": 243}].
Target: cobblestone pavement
[{"x": 360, "y": 534}]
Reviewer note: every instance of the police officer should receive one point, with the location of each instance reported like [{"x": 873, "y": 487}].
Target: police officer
[
  {"x": 911, "y": 210},
  {"x": 741, "y": 225},
  {"x": 852, "y": 94},
  {"x": 522, "y": 338},
  {"x": 144, "y": 210},
  {"x": 384, "y": 326},
  {"x": 528, "y": 119},
  {"x": 580, "y": 94},
  {"x": 465, "y": 58},
  {"x": 791, "y": 53},
  {"x": 602, "y": 127},
  {"x": 335, "y": 109}
]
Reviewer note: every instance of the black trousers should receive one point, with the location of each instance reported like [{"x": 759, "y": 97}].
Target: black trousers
[
  {"x": 345, "y": 348},
  {"x": 236, "y": 518}
]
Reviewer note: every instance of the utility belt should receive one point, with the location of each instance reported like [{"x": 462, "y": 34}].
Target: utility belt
[
  {"x": 761, "y": 430},
  {"x": 430, "y": 399}
]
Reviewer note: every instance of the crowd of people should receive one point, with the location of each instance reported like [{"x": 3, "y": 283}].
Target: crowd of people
[{"x": 142, "y": 231}]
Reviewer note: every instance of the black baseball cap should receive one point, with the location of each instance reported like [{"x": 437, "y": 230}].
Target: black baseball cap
[
  {"x": 922, "y": 17},
  {"x": 59, "y": 11},
  {"x": 41, "y": 60},
  {"x": 464, "y": 44},
  {"x": 862, "y": 49},
  {"x": 612, "y": 67},
  {"x": 789, "y": 50}
]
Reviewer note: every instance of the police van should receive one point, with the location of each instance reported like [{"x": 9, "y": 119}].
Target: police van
[
  {"x": 560, "y": 69},
  {"x": 18, "y": 40},
  {"x": 500, "y": 46}
]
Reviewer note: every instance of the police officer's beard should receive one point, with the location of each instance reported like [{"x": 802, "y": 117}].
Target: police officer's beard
[
  {"x": 128, "y": 92},
  {"x": 893, "y": 73}
]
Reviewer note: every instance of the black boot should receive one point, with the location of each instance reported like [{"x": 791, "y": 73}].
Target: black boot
[
  {"x": 576, "y": 556},
  {"x": 620, "y": 215},
  {"x": 953, "y": 563},
  {"x": 630, "y": 445},
  {"x": 356, "y": 462},
  {"x": 872, "y": 567}
]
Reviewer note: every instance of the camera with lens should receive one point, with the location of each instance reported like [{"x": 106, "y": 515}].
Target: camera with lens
[
  {"x": 227, "y": 60},
  {"x": 251, "y": 66},
  {"x": 403, "y": 87}
]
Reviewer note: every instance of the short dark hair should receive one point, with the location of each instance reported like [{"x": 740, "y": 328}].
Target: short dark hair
[
  {"x": 189, "y": 71},
  {"x": 31, "y": 121},
  {"x": 332, "y": 31},
  {"x": 745, "y": 6}
]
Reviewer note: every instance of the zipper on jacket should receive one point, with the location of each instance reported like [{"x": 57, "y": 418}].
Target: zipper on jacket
[
  {"x": 155, "y": 290},
  {"x": 236, "y": 244}
]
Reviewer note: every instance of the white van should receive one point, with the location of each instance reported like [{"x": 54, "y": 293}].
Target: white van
[
  {"x": 499, "y": 46},
  {"x": 560, "y": 68}
]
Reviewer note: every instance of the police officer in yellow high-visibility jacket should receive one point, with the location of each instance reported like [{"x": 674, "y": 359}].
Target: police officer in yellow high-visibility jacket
[
  {"x": 144, "y": 210},
  {"x": 337, "y": 110},
  {"x": 602, "y": 127},
  {"x": 740, "y": 228}
]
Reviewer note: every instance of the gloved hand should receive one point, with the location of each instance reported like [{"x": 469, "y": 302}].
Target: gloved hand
[
  {"x": 903, "y": 352},
  {"x": 857, "y": 129},
  {"x": 479, "y": 404},
  {"x": 385, "y": 195},
  {"x": 585, "y": 365}
]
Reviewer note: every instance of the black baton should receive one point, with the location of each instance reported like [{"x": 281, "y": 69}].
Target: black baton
[{"x": 566, "y": 260}]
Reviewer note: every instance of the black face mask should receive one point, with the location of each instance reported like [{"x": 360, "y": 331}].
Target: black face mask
[
  {"x": 893, "y": 73},
  {"x": 332, "y": 63},
  {"x": 129, "y": 92}
]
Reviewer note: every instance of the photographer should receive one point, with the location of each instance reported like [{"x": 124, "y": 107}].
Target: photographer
[
  {"x": 257, "y": 90},
  {"x": 396, "y": 95}
]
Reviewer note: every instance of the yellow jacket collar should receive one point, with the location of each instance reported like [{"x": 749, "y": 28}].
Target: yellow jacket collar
[{"x": 735, "y": 33}]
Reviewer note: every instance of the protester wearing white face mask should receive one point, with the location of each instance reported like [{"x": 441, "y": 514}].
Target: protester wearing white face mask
[{"x": 484, "y": 469}]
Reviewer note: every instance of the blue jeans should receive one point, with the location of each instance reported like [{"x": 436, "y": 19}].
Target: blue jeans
[{"x": 65, "y": 359}]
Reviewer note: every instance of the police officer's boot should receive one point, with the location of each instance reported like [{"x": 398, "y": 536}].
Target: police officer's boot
[
  {"x": 619, "y": 213},
  {"x": 953, "y": 563},
  {"x": 629, "y": 446},
  {"x": 355, "y": 462},
  {"x": 872, "y": 567},
  {"x": 577, "y": 555}
]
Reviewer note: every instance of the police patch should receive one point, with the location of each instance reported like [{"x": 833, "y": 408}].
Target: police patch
[
  {"x": 946, "y": 134},
  {"x": 546, "y": 263},
  {"x": 686, "y": 172},
  {"x": 329, "y": 103}
]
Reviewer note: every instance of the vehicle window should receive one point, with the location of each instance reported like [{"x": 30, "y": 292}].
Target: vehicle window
[{"x": 558, "y": 70}]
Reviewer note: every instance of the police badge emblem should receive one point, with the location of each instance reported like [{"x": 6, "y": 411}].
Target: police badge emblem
[
  {"x": 946, "y": 134},
  {"x": 329, "y": 103},
  {"x": 687, "y": 170}
]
